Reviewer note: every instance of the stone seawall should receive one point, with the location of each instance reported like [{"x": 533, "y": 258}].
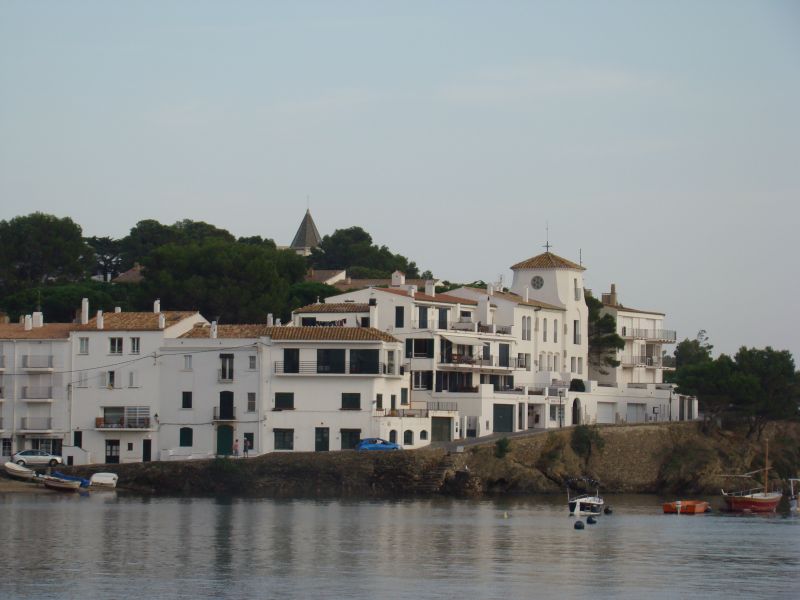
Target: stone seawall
[{"x": 659, "y": 458}]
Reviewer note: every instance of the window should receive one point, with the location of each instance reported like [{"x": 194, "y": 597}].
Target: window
[
  {"x": 308, "y": 321},
  {"x": 330, "y": 361},
  {"x": 252, "y": 363},
  {"x": 351, "y": 401},
  {"x": 364, "y": 361},
  {"x": 580, "y": 364},
  {"x": 130, "y": 446},
  {"x": 133, "y": 379},
  {"x": 186, "y": 435},
  {"x": 555, "y": 362},
  {"x": 350, "y": 438},
  {"x": 251, "y": 402},
  {"x": 408, "y": 438},
  {"x": 577, "y": 290},
  {"x": 284, "y": 400},
  {"x": 187, "y": 362},
  {"x": 541, "y": 361},
  {"x": 291, "y": 360},
  {"x": 399, "y": 316},
  {"x": 365, "y": 321},
  {"x": 111, "y": 379},
  {"x": 84, "y": 345},
  {"x": 6, "y": 446},
  {"x": 226, "y": 367},
  {"x": 186, "y": 399},
  {"x": 379, "y": 402},
  {"x": 544, "y": 330},
  {"x": 284, "y": 439},
  {"x": 77, "y": 439},
  {"x": 555, "y": 330},
  {"x": 423, "y": 435},
  {"x": 135, "y": 345},
  {"x": 557, "y": 413},
  {"x": 423, "y": 317},
  {"x": 572, "y": 364},
  {"x": 576, "y": 332},
  {"x": 403, "y": 396},
  {"x": 390, "y": 362},
  {"x": 115, "y": 345},
  {"x": 443, "y": 318},
  {"x": 422, "y": 380},
  {"x": 419, "y": 348},
  {"x": 83, "y": 379}
]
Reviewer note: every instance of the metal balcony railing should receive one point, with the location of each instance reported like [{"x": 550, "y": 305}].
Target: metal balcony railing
[
  {"x": 37, "y": 393},
  {"x": 312, "y": 367},
  {"x": 224, "y": 414},
  {"x": 401, "y": 412},
  {"x": 37, "y": 362},
  {"x": 441, "y": 405},
  {"x": 641, "y": 361},
  {"x": 654, "y": 335},
  {"x": 36, "y": 423},
  {"x": 479, "y": 361},
  {"x": 122, "y": 422}
]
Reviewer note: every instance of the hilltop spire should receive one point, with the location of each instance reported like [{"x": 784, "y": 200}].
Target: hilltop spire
[{"x": 307, "y": 236}]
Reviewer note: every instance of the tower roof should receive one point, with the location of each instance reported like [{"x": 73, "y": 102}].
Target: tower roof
[
  {"x": 307, "y": 235},
  {"x": 547, "y": 260}
]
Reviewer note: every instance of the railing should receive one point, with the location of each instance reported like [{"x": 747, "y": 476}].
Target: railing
[
  {"x": 37, "y": 362},
  {"x": 442, "y": 406},
  {"x": 462, "y": 389},
  {"x": 661, "y": 335},
  {"x": 641, "y": 361},
  {"x": 477, "y": 361},
  {"x": 312, "y": 367},
  {"x": 224, "y": 415},
  {"x": 501, "y": 329},
  {"x": 401, "y": 412},
  {"x": 37, "y": 423},
  {"x": 122, "y": 423},
  {"x": 224, "y": 375},
  {"x": 37, "y": 393}
]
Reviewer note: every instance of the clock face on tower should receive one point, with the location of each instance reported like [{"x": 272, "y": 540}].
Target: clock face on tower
[{"x": 537, "y": 282}]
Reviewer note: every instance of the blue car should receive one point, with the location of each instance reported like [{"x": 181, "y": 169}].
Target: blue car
[{"x": 375, "y": 444}]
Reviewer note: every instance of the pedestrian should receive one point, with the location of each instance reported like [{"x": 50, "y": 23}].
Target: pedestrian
[
  {"x": 245, "y": 447},
  {"x": 236, "y": 447}
]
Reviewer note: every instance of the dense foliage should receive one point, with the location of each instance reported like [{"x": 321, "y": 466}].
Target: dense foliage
[
  {"x": 603, "y": 338},
  {"x": 352, "y": 249}
]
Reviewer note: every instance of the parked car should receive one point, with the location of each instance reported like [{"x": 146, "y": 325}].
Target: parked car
[
  {"x": 375, "y": 444},
  {"x": 36, "y": 457}
]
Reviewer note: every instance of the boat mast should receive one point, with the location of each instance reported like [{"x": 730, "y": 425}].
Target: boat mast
[{"x": 766, "y": 468}]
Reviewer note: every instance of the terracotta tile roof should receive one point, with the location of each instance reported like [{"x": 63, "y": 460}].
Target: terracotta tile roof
[
  {"x": 360, "y": 284},
  {"x": 132, "y": 275},
  {"x": 531, "y": 301},
  {"x": 135, "y": 321},
  {"x": 635, "y": 310},
  {"x": 441, "y": 298},
  {"x": 343, "y": 334},
  {"x": 322, "y": 275},
  {"x": 547, "y": 260},
  {"x": 48, "y": 331},
  {"x": 334, "y": 307}
]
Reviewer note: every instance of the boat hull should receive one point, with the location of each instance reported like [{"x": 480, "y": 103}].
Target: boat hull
[
  {"x": 103, "y": 481},
  {"x": 686, "y": 507},
  {"x": 586, "y": 507},
  {"x": 61, "y": 485},
  {"x": 19, "y": 472},
  {"x": 757, "y": 503}
]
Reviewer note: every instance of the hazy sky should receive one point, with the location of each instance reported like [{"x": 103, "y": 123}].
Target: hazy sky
[{"x": 661, "y": 138}]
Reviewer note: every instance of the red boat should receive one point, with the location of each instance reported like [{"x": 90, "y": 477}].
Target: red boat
[{"x": 759, "y": 499}]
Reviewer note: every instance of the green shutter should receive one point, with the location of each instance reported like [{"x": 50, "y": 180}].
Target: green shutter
[{"x": 409, "y": 347}]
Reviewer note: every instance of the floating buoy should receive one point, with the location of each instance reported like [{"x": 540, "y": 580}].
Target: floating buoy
[
  {"x": 578, "y": 524},
  {"x": 608, "y": 510},
  {"x": 591, "y": 520}
]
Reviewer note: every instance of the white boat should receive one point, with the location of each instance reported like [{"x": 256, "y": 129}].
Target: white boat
[
  {"x": 106, "y": 481},
  {"x": 62, "y": 485},
  {"x": 585, "y": 504},
  {"x": 19, "y": 472}
]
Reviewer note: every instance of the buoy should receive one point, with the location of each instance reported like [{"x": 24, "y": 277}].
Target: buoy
[
  {"x": 505, "y": 515},
  {"x": 591, "y": 520},
  {"x": 608, "y": 510},
  {"x": 578, "y": 524}
]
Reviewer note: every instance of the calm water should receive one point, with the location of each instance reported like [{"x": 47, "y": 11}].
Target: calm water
[{"x": 109, "y": 546}]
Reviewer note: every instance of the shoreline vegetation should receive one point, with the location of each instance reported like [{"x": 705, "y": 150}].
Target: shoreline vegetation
[{"x": 675, "y": 458}]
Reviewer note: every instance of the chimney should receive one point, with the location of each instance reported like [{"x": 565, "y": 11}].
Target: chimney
[
  {"x": 412, "y": 290},
  {"x": 21, "y": 319},
  {"x": 527, "y": 294},
  {"x": 84, "y": 311},
  {"x": 100, "y": 323},
  {"x": 277, "y": 322},
  {"x": 162, "y": 320},
  {"x": 270, "y": 320},
  {"x": 490, "y": 289},
  {"x": 373, "y": 312},
  {"x": 38, "y": 319},
  {"x": 28, "y": 323},
  {"x": 157, "y": 306},
  {"x": 5, "y": 319},
  {"x": 117, "y": 309},
  {"x": 213, "y": 329},
  {"x": 398, "y": 279},
  {"x": 612, "y": 297},
  {"x": 430, "y": 288}
]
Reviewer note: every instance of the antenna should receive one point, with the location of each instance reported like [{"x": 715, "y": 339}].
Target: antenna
[
  {"x": 308, "y": 202},
  {"x": 547, "y": 245},
  {"x": 580, "y": 256}
]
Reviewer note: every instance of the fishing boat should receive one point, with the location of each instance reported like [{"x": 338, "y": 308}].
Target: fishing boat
[
  {"x": 19, "y": 472},
  {"x": 584, "y": 504},
  {"x": 61, "y": 485},
  {"x": 759, "y": 499},
  {"x": 105, "y": 481},
  {"x": 686, "y": 507}
]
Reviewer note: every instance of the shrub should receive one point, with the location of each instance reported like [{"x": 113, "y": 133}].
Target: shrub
[
  {"x": 577, "y": 385},
  {"x": 584, "y": 438},
  {"x": 502, "y": 447}
]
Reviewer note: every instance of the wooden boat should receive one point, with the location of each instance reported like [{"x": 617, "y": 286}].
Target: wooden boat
[
  {"x": 19, "y": 472},
  {"x": 760, "y": 499},
  {"x": 62, "y": 485},
  {"x": 84, "y": 483},
  {"x": 584, "y": 504},
  {"x": 106, "y": 481},
  {"x": 686, "y": 507}
]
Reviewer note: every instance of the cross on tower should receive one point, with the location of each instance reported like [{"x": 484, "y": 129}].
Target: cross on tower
[{"x": 547, "y": 245}]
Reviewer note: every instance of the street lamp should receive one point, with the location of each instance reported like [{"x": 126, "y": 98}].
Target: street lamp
[{"x": 561, "y": 407}]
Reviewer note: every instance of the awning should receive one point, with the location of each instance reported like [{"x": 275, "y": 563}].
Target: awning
[{"x": 465, "y": 340}]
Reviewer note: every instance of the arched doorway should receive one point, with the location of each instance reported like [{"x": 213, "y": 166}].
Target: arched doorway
[
  {"x": 576, "y": 411},
  {"x": 393, "y": 436},
  {"x": 224, "y": 440}
]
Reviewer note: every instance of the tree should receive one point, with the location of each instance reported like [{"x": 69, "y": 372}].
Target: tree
[
  {"x": 691, "y": 352},
  {"x": 143, "y": 239},
  {"x": 107, "y": 256},
  {"x": 718, "y": 385},
  {"x": 309, "y": 292},
  {"x": 59, "y": 302},
  {"x": 604, "y": 342},
  {"x": 38, "y": 248},
  {"x": 352, "y": 248}
]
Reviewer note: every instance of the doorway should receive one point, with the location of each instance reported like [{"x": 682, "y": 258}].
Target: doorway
[
  {"x": 147, "y": 450},
  {"x": 322, "y": 436},
  {"x": 224, "y": 440},
  {"x": 112, "y": 452},
  {"x": 576, "y": 411}
]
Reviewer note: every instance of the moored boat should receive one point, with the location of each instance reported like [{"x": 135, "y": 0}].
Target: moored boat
[
  {"x": 584, "y": 504},
  {"x": 62, "y": 485},
  {"x": 107, "y": 481},
  {"x": 793, "y": 495},
  {"x": 84, "y": 483},
  {"x": 760, "y": 499},
  {"x": 686, "y": 507},
  {"x": 19, "y": 472}
]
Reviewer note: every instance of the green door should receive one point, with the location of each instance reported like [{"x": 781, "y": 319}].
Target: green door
[
  {"x": 224, "y": 440},
  {"x": 503, "y": 418},
  {"x": 321, "y": 439},
  {"x": 440, "y": 429}
]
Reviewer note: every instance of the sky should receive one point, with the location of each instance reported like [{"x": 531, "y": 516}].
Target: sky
[{"x": 658, "y": 141}]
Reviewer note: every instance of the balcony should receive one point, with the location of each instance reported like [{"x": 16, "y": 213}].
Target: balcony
[
  {"x": 437, "y": 405},
  {"x": 224, "y": 376},
  {"x": 37, "y": 394},
  {"x": 501, "y": 329},
  {"x": 224, "y": 414},
  {"x": 37, "y": 363},
  {"x": 312, "y": 367},
  {"x": 641, "y": 361},
  {"x": 36, "y": 423},
  {"x": 466, "y": 360},
  {"x": 127, "y": 423},
  {"x": 401, "y": 412},
  {"x": 651, "y": 335}
]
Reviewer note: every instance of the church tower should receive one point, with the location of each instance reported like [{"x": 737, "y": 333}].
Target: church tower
[{"x": 307, "y": 236}]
